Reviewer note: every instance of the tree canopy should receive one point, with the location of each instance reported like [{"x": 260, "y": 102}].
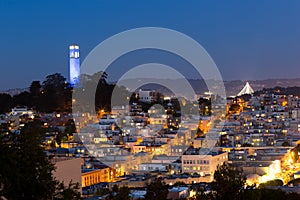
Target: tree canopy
[
  {"x": 25, "y": 170},
  {"x": 157, "y": 190},
  {"x": 228, "y": 182}
]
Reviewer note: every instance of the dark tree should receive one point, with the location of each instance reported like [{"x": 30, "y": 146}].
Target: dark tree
[
  {"x": 29, "y": 175},
  {"x": 56, "y": 94},
  {"x": 35, "y": 91},
  {"x": 70, "y": 127},
  {"x": 54, "y": 81},
  {"x": 35, "y": 88},
  {"x": 202, "y": 194},
  {"x": 103, "y": 92},
  {"x": 22, "y": 99},
  {"x": 234, "y": 107},
  {"x": 117, "y": 193},
  {"x": 285, "y": 144},
  {"x": 25, "y": 170},
  {"x": 67, "y": 193},
  {"x": 228, "y": 182},
  {"x": 157, "y": 190},
  {"x": 123, "y": 193},
  {"x": 5, "y": 102},
  {"x": 204, "y": 106},
  {"x": 134, "y": 98}
]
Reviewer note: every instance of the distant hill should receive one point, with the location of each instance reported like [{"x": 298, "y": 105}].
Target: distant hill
[
  {"x": 199, "y": 85},
  {"x": 232, "y": 87},
  {"x": 280, "y": 90},
  {"x": 15, "y": 91}
]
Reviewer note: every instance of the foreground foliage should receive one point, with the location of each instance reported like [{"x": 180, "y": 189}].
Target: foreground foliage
[{"x": 25, "y": 170}]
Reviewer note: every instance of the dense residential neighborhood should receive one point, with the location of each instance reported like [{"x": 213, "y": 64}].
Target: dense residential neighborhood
[
  {"x": 149, "y": 100},
  {"x": 131, "y": 146}
]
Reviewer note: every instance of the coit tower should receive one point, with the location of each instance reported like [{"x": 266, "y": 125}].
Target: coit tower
[{"x": 74, "y": 68}]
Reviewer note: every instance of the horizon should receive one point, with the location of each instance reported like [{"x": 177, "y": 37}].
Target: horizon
[
  {"x": 198, "y": 79},
  {"x": 231, "y": 88}
]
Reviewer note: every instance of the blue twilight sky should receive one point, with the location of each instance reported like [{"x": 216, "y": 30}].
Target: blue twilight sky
[{"x": 247, "y": 39}]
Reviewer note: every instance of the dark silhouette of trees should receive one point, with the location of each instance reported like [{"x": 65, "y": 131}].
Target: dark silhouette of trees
[
  {"x": 67, "y": 193},
  {"x": 234, "y": 107},
  {"x": 5, "y": 102},
  {"x": 285, "y": 144},
  {"x": 25, "y": 170},
  {"x": 123, "y": 193},
  {"x": 22, "y": 99},
  {"x": 35, "y": 91},
  {"x": 119, "y": 193},
  {"x": 56, "y": 94},
  {"x": 70, "y": 128},
  {"x": 29, "y": 172},
  {"x": 53, "y": 95},
  {"x": 35, "y": 88},
  {"x": 95, "y": 94},
  {"x": 157, "y": 190},
  {"x": 228, "y": 182},
  {"x": 204, "y": 106},
  {"x": 134, "y": 98}
]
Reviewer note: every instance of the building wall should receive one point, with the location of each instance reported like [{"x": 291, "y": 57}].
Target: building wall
[
  {"x": 68, "y": 170},
  {"x": 147, "y": 96},
  {"x": 138, "y": 148},
  {"x": 97, "y": 176},
  {"x": 202, "y": 164},
  {"x": 153, "y": 167}
]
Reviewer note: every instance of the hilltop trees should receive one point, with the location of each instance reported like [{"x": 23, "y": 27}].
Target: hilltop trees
[
  {"x": 53, "y": 95},
  {"x": 35, "y": 91},
  {"x": 5, "y": 102},
  {"x": 56, "y": 94}
]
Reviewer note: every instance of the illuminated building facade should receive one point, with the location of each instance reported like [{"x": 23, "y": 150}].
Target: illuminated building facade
[
  {"x": 74, "y": 65},
  {"x": 205, "y": 165},
  {"x": 94, "y": 176}
]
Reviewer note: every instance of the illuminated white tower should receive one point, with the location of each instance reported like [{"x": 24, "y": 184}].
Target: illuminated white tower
[{"x": 74, "y": 65}]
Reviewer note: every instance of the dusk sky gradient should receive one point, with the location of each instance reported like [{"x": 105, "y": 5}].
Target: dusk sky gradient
[{"x": 247, "y": 39}]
